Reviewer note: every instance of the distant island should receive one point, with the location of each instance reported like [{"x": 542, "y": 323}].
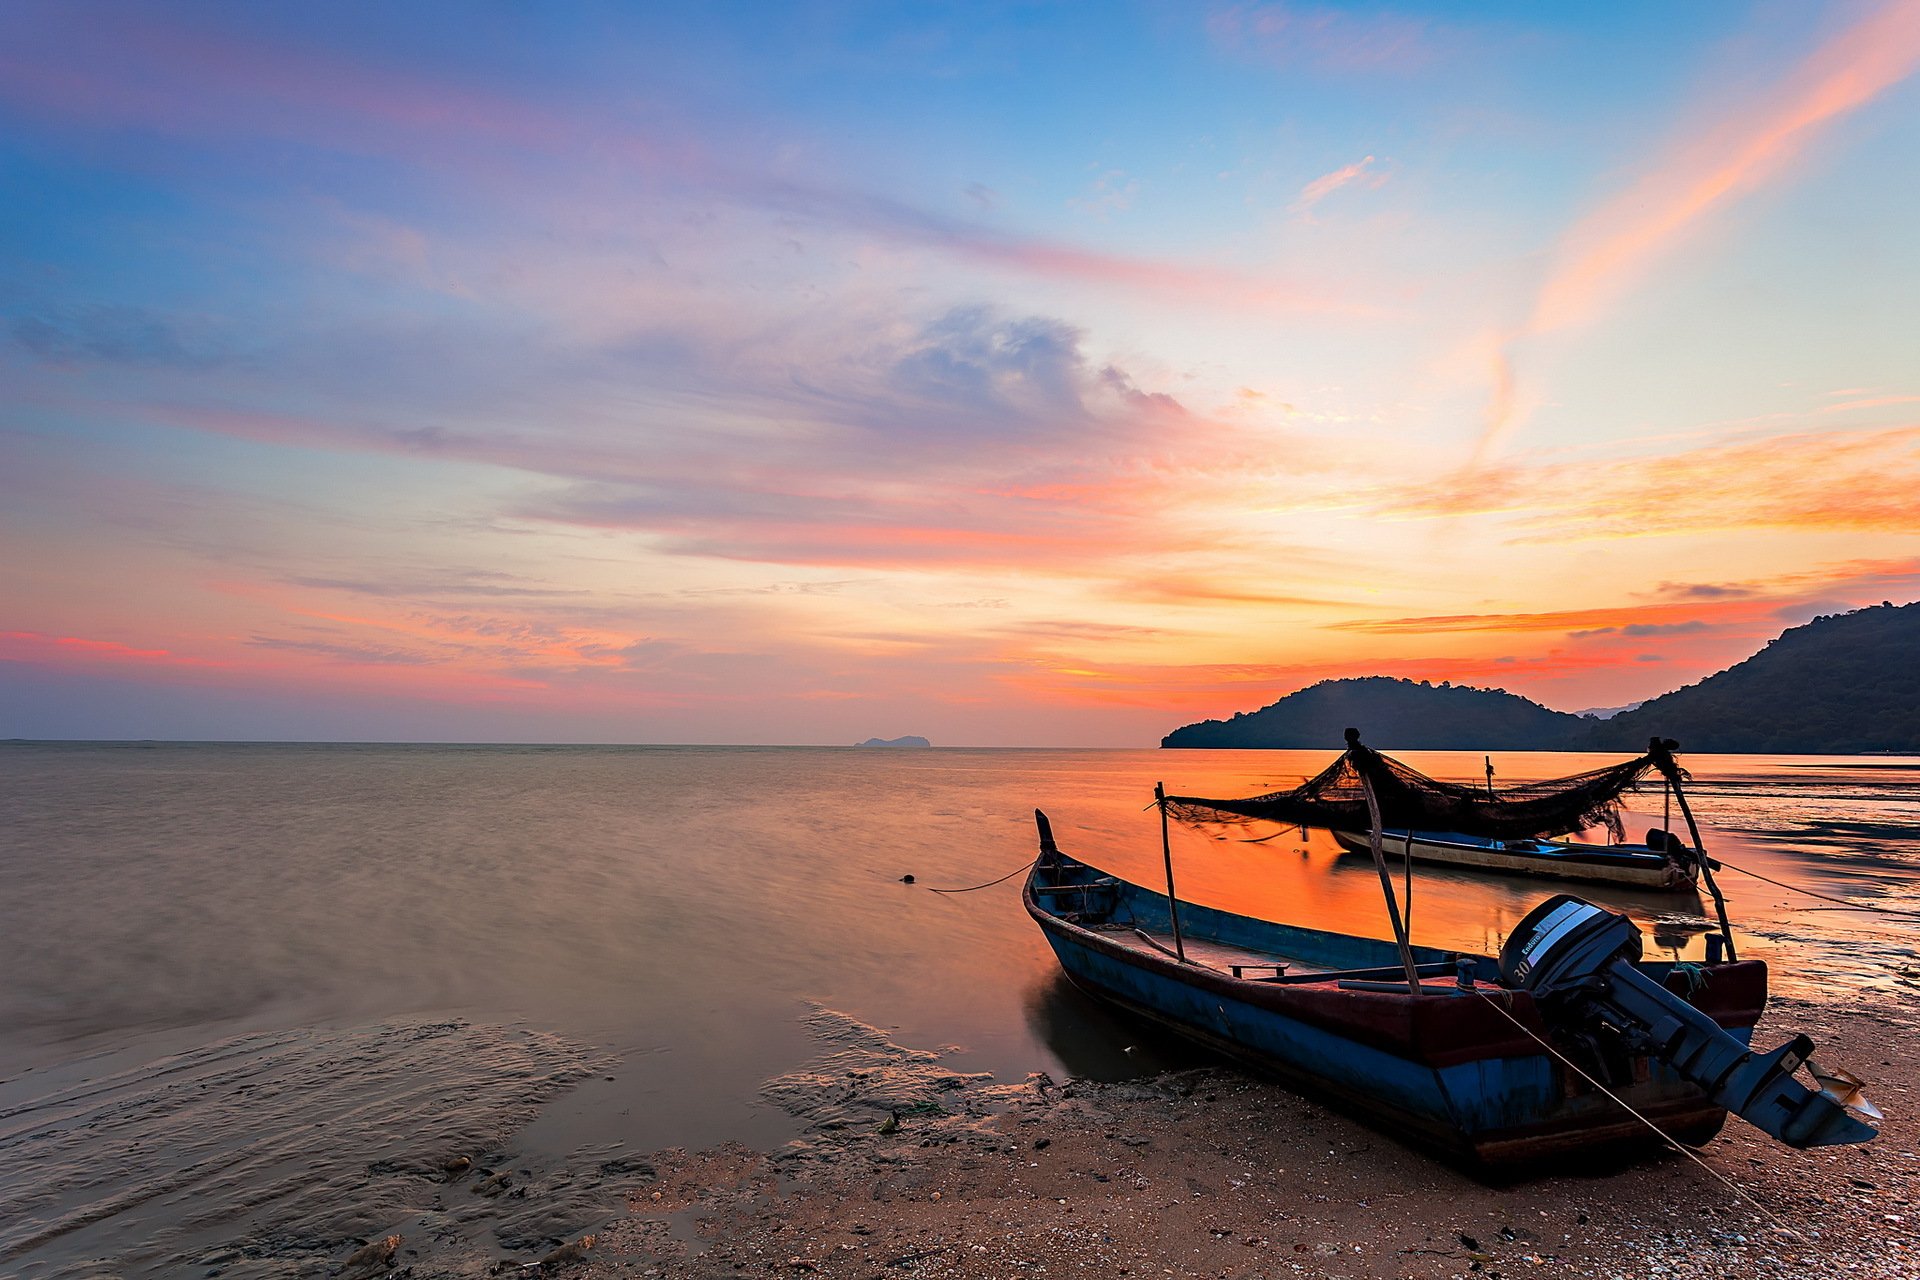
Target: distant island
[
  {"x": 908, "y": 741},
  {"x": 1843, "y": 683}
]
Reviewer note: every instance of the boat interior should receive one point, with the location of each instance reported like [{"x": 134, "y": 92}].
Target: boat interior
[{"x": 1129, "y": 916}]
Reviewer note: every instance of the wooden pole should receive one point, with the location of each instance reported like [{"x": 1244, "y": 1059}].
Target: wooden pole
[
  {"x": 1706, "y": 866},
  {"x": 1166, "y": 852},
  {"x": 1386, "y": 886},
  {"x": 1406, "y": 873}
]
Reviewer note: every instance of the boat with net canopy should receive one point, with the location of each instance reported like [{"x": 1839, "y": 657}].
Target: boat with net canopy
[{"x": 1565, "y": 1042}]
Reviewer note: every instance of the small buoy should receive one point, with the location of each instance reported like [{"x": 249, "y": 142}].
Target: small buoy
[{"x": 907, "y": 879}]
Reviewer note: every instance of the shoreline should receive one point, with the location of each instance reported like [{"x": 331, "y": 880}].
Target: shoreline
[
  {"x": 905, "y": 1165},
  {"x": 909, "y": 1170}
]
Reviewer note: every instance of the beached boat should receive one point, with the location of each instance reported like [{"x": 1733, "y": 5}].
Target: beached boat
[
  {"x": 1664, "y": 868},
  {"x": 1565, "y": 1042}
]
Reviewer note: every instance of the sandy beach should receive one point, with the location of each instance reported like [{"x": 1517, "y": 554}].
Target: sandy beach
[{"x": 908, "y": 1169}]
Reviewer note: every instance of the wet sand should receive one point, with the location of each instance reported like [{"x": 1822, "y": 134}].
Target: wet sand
[
  {"x": 910, "y": 1170},
  {"x": 904, "y": 1166}
]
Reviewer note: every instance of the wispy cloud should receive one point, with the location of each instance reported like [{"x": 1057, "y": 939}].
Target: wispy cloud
[
  {"x": 1328, "y": 183},
  {"x": 1706, "y": 169},
  {"x": 1858, "y": 481},
  {"x": 64, "y": 651},
  {"x": 1636, "y": 620},
  {"x": 147, "y": 72}
]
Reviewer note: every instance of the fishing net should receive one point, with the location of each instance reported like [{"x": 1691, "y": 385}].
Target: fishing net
[{"x": 1409, "y": 800}]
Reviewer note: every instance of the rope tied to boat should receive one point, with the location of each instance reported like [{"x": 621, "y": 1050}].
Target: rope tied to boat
[
  {"x": 1824, "y": 897},
  {"x": 1693, "y": 974},
  {"x": 1025, "y": 866},
  {"x": 1666, "y": 1137}
]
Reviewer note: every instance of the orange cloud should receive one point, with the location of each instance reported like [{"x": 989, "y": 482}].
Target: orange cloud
[
  {"x": 1863, "y": 481},
  {"x": 1621, "y": 618}
]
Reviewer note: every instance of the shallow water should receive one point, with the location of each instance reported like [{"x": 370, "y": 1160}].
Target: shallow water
[{"x": 254, "y": 989}]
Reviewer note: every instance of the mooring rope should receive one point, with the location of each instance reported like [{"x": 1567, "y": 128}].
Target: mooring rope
[
  {"x": 1824, "y": 897},
  {"x": 989, "y": 884},
  {"x": 1666, "y": 1137}
]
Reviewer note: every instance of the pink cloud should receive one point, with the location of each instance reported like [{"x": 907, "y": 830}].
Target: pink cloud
[
  {"x": 66, "y": 651},
  {"x": 1328, "y": 183},
  {"x": 1706, "y": 169}
]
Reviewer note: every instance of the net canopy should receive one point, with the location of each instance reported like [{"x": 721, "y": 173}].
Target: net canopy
[{"x": 1409, "y": 800}]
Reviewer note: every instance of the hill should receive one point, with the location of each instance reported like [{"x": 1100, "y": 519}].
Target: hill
[
  {"x": 1847, "y": 682},
  {"x": 1402, "y": 714},
  {"x": 1843, "y": 683}
]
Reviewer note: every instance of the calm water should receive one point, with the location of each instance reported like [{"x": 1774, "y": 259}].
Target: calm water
[{"x": 237, "y": 978}]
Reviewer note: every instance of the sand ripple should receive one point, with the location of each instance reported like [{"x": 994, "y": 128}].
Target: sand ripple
[{"x": 273, "y": 1154}]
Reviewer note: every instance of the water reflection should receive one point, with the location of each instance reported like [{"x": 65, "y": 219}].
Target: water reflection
[{"x": 1092, "y": 1040}]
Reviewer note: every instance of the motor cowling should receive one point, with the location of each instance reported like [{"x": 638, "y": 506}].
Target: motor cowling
[{"x": 1579, "y": 962}]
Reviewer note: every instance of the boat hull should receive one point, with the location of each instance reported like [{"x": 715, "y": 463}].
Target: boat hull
[
  {"x": 1634, "y": 866},
  {"x": 1444, "y": 1069}
]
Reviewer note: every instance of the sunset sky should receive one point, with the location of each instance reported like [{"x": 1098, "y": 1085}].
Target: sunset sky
[{"x": 1023, "y": 374}]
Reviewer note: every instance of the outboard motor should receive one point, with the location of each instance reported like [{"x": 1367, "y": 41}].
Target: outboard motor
[{"x": 1578, "y": 959}]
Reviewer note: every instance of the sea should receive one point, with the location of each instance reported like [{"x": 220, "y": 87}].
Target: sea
[{"x": 257, "y": 1000}]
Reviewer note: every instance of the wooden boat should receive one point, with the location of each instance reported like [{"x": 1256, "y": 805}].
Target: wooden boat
[
  {"x": 1640, "y": 865},
  {"x": 1565, "y": 1042},
  {"x": 1322, "y": 1012}
]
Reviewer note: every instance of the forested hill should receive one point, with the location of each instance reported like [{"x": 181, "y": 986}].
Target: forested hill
[
  {"x": 1399, "y": 714},
  {"x": 1849, "y": 682}
]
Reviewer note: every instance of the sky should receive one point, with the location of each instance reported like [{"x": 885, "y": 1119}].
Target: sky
[{"x": 1016, "y": 374}]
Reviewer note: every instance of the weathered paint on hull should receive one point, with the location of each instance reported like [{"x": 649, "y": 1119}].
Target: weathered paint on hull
[{"x": 1491, "y": 1111}]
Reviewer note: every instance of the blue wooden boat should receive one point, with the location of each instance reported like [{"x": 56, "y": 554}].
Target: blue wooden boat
[
  {"x": 1665, "y": 869},
  {"x": 1566, "y": 1042},
  {"x": 1320, "y": 1011}
]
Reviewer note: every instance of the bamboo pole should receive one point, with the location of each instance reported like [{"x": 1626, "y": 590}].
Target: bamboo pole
[
  {"x": 1706, "y": 866},
  {"x": 1386, "y": 884},
  {"x": 1166, "y": 852},
  {"x": 1661, "y": 750}
]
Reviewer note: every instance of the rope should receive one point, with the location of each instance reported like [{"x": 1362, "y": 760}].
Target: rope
[
  {"x": 1851, "y": 906},
  {"x": 989, "y": 884},
  {"x": 1667, "y": 1138}
]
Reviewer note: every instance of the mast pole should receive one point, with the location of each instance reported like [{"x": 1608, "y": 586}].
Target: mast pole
[
  {"x": 1166, "y": 852},
  {"x": 1380, "y": 865}
]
